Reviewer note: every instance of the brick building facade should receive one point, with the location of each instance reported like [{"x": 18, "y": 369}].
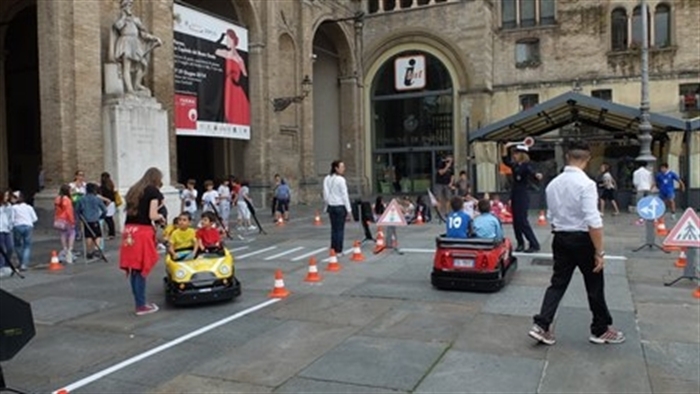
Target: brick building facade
[{"x": 484, "y": 59}]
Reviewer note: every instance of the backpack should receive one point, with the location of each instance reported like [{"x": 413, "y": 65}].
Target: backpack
[{"x": 282, "y": 192}]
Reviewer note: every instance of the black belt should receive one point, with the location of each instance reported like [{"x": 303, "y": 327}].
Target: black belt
[{"x": 570, "y": 233}]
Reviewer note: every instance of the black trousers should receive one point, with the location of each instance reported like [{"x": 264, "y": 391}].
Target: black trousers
[
  {"x": 337, "y": 215},
  {"x": 571, "y": 250},
  {"x": 109, "y": 220},
  {"x": 521, "y": 226}
]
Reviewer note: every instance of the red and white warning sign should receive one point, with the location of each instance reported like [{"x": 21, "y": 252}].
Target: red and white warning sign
[
  {"x": 392, "y": 216},
  {"x": 686, "y": 233}
]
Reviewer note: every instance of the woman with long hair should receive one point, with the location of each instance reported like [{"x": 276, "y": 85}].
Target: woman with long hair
[
  {"x": 108, "y": 195},
  {"x": 7, "y": 217},
  {"x": 64, "y": 222},
  {"x": 523, "y": 173},
  {"x": 337, "y": 199},
  {"x": 138, "y": 253},
  {"x": 22, "y": 229}
]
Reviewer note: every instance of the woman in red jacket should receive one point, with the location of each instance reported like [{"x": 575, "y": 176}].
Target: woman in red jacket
[
  {"x": 138, "y": 253},
  {"x": 64, "y": 222}
]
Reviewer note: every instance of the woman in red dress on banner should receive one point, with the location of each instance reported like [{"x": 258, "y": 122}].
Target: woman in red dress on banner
[{"x": 236, "y": 105}]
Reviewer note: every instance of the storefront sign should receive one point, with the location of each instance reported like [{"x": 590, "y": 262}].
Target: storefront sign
[
  {"x": 409, "y": 73},
  {"x": 211, "y": 76}
]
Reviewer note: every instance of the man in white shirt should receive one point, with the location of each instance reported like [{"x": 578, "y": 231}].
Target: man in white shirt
[
  {"x": 337, "y": 199},
  {"x": 643, "y": 180},
  {"x": 578, "y": 242}
]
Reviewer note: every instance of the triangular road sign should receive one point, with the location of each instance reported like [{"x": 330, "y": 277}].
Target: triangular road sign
[
  {"x": 393, "y": 216},
  {"x": 686, "y": 233}
]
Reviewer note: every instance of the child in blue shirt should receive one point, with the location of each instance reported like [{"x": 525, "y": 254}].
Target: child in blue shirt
[
  {"x": 458, "y": 222},
  {"x": 487, "y": 225}
]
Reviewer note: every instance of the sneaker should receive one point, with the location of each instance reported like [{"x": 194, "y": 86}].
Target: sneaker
[
  {"x": 612, "y": 336},
  {"x": 673, "y": 217},
  {"x": 69, "y": 257},
  {"x": 23, "y": 267},
  {"x": 539, "y": 334},
  {"x": 146, "y": 309},
  {"x": 251, "y": 228},
  {"x": 5, "y": 272}
]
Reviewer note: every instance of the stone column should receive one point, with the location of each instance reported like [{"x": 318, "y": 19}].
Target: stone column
[{"x": 70, "y": 89}]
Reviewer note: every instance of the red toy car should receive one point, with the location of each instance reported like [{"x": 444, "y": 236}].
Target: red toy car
[{"x": 472, "y": 264}]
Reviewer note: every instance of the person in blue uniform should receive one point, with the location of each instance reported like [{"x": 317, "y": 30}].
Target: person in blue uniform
[
  {"x": 666, "y": 182},
  {"x": 523, "y": 173},
  {"x": 458, "y": 222}
]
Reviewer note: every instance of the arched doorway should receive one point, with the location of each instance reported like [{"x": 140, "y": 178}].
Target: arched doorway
[
  {"x": 21, "y": 143},
  {"x": 326, "y": 74},
  {"x": 411, "y": 121},
  {"x": 203, "y": 158}
]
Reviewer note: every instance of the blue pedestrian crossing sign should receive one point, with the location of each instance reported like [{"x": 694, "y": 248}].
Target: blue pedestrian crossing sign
[{"x": 651, "y": 208}]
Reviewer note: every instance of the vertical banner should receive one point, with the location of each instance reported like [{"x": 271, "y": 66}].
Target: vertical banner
[{"x": 211, "y": 76}]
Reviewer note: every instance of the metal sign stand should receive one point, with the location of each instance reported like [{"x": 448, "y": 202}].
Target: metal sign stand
[
  {"x": 650, "y": 208},
  {"x": 650, "y": 237},
  {"x": 691, "y": 267}
]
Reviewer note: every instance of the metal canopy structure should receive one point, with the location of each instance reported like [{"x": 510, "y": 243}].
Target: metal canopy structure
[{"x": 574, "y": 107}]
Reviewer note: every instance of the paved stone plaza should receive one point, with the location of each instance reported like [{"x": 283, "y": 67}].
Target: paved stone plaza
[{"x": 375, "y": 326}]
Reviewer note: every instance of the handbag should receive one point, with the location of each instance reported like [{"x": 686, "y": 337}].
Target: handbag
[
  {"x": 61, "y": 224},
  {"x": 118, "y": 201}
]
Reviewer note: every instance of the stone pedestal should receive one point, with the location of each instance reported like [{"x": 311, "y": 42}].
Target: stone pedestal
[{"x": 136, "y": 138}]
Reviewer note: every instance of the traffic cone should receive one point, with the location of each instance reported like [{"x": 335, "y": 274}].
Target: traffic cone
[
  {"x": 280, "y": 222},
  {"x": 682, "y": 260},
  {"x": 696, "y": 293},
  {"x": 279, "y": 291},
  {"x": 62, "y": 391},
  {"x": 357, "y": 252},
  {"x": 312, "y": 275},
  {"x": 542, "y": 219},
  {"x": 333, "y": 265},
  {"x": 54, "y": 264},
  {"x": 380, "y": 244},
  {"x": 419, "y": 219},
  {"x": 317, "y": 219},
  {"x": 661, "y": 228}
]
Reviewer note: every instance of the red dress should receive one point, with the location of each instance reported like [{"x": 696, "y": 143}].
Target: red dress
[{"x": 237, "y": 107}]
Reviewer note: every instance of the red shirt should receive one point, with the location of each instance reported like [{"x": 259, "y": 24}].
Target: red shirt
[{"x": 209, "y": 236}]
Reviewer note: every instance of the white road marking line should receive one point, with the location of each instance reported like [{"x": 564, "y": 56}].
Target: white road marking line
[
  {"x": 256, "y": 252},
  {"x": 274, "y": 256},
  {"x": 517, "y": 254},
  {"x": 313, "y": 252},
  {"x": 345, "y": 253},
  {"x": 239, "y": 248},
  {"x": 165, "y": 346}
]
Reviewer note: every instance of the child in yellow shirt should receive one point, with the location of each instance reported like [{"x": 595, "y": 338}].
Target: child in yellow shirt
[{"x": 183, "y": 239}]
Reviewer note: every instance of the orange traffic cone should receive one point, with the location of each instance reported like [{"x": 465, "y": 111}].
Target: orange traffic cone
[
  {"x": 279, "y": 291},
  {"x": 696, "y": 293},
  {"x": 380, "y": 244},
  {"x": 419, "y": 219},
  {"x": 54, "y": 264},
  {"x": 62, "y": 391},
  {"x": 682, "y": 260},
  {"x": 357, "y": 252},
  {"x": 312, "y": 275},
  {"x": 333, "y": 265},
  {"x": 542, "y": 219},
  {"x": 280, "y": 222},
  {"x": 317, "y": 219},
  {"x": 661, "y": 228}
]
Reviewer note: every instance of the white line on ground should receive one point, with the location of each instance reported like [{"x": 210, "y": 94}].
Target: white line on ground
[
  {"x": 278, "y": 255},
  {"x": 313, "y": 252},
  {"x": 516, "y": 254},
  {"x": 256, "y": 252},
  {"x": 99, "y": 375},
  {"x": 239, "y": 248}
]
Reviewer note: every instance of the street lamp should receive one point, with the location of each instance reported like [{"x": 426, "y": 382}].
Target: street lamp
[
  {"x": 645, "y": 128},
  {"x": 281, "y": 103}
]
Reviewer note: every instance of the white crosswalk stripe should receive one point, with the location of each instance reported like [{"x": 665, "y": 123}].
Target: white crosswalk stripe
[
  {"x": 312, "y": 253},
  {"x": 278, "y": 255},
  {"x": 256, "y": 252},
  {"x": 239, "y": 248}
]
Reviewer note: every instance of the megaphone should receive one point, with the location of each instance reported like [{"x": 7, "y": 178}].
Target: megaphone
[{"x": 528, "y": 142}]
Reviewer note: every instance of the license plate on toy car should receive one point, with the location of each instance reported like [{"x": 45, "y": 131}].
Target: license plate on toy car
[
  {"x": 205, "y": 290},
  {"x": 464, "y": 263}
]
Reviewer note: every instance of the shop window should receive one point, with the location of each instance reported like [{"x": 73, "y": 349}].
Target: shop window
[
  {"x": 662, "y": 26},
  {"x": 527, "y": 53},
  {"x": 406, "y": 3},
  {"x": 689, "y": 101},
  {"x": 528, "y": 101},
  {"x": 389, "y": 5},
  {"x": 618, "y": 29},
  {"x": 637, "y": 27},
  {"x": 527, "y": 13},
  {"x": 603, "y": 94},
  {"x": 373, "y": 6}
]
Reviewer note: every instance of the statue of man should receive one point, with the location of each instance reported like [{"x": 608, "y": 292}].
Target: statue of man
[{"x": 132, "y": 47}]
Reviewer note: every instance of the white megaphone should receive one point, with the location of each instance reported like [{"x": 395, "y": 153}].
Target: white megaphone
[{"x": 528, "y": 142}]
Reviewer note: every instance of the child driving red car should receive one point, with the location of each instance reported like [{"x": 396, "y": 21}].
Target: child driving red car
[{"x": 208, "y": 237}]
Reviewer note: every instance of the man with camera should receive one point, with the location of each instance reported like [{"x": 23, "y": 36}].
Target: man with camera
[{"x": 444, "y": 184}]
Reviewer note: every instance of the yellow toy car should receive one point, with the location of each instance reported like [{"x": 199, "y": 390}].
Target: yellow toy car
[{"x": 207, "y": 277}]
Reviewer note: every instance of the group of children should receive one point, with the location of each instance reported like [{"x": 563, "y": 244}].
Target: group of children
[
  {"x": 231, "y": 192},
  {"x": 186, "y": 242}
]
